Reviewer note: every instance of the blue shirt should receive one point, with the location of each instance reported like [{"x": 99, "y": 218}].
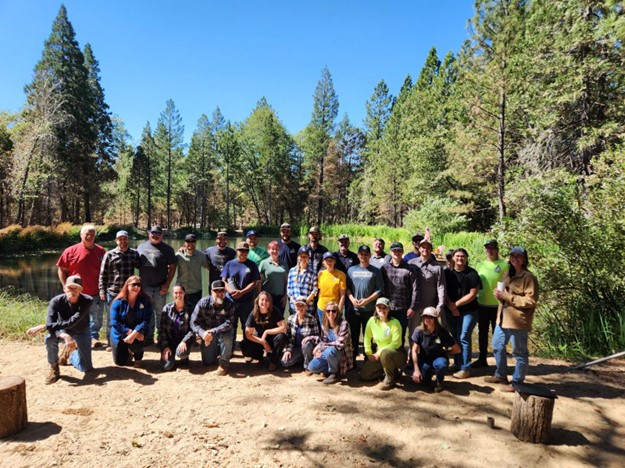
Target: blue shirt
[
  {"x": 302, "y": 283},
  {"x": 363, "y": 282},
  {"x": 239, "y": 275}
]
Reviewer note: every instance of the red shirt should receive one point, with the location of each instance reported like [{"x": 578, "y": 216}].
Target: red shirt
[{"x": 79, "y": 260}]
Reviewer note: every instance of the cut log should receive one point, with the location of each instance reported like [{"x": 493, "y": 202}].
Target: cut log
[
  {"x": 531, "y": 417},
  {"x": 14, "y": 415}
]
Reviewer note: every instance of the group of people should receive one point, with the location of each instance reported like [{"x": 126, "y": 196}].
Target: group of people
[{"x": 330, "y": 300}]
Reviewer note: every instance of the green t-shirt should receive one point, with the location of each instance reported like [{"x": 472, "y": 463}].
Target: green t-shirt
[
  {"x": 274, "y": 277},
  {"x": 490, "y": 274}
]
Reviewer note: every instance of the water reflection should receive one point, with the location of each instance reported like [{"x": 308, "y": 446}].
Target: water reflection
[{"x": 37, "y": 274}]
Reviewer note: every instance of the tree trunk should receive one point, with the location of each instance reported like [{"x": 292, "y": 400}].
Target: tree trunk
[
  {"x": 531, "y": 417},
  {"x": 501, "y": 156},
  {"x": 14, "y": 414}
]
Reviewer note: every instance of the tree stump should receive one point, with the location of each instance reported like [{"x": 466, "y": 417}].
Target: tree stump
[
  {"x": 531, "y": 417},
  {"x": 14, "y": 415}
]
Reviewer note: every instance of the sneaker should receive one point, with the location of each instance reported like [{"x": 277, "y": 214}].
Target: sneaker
[
  {"x": 221, "y": 370},
  {"x": 95, "y": 343},
  {"x": 479, "y": 364},
  {"x": 331, "y": 379},
  {"x": 496, "y": 380},
  {"x": 462, "y": 374},
  {"x": 439, "y": 387},
  {"x": 64, "y": 357},
  {"x": 272, "y": 366},
  {"x": 387, "y": 384},
  {"x": 53, "y": 375}
]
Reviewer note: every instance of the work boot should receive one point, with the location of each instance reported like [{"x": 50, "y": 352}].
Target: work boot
[
  {"x": 64, "y": 357},
  {"x": 54, "y": 374}
]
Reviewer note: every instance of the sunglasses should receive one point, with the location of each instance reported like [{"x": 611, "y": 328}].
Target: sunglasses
[
  {"x": 138, "y": 285},
  {"x": 156, "y": 233},
  {"x": 331, "y": 311},
  {"x": 190, "y": 242}
]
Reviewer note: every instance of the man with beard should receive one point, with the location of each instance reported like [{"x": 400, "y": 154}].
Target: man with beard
[
  {"x": 345, "y": 258},
  {"x": 315, "y": 250},
  {"x": 288, "y": 248},
  {"x": 218, "y": 255}
]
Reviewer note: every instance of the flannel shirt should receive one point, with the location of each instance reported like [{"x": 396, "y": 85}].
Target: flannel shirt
[
  {"x": 167, "y": 336},
  {"x": 400, "y": 285},
  {"x": 116, "y": 268},
  {"x": 343, "y": 343},
  {"x": 310, "y": 327},
  {"x": 206, "y": 317},
  {"x": 304, "y": 284}
]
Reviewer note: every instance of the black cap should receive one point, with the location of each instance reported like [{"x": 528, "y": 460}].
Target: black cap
[
  {"x": 397, "y": 246},
  {"x": 418, "y": 237},
  {"x": 492, "y": 243},
  {"x": 364, "y": 248},
  {"x": 190, "y": 238},
  {"x": 328, "y": 255},
  {"x": 218, "y": 285},
  {"x": 303, "y": 250}
]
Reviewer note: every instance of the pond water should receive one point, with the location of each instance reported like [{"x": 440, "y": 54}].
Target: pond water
[{"x": 37, "y": 274}]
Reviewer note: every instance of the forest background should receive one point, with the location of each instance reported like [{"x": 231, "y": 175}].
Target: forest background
[{"x": 519, "y": 134}]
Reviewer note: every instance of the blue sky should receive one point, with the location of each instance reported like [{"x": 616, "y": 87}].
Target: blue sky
[{"x": 204, "y": 54}]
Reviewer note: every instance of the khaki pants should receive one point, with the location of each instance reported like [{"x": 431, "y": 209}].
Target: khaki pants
[{"x": 390, "y": 361}]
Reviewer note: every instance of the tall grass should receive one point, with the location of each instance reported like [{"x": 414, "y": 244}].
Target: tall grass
[{"x": 19, "y": 312}]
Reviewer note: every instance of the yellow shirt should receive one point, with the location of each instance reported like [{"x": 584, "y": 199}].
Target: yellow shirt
[{"x": 330, "y": 285}]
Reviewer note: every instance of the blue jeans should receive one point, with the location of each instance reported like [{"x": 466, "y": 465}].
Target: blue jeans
[
  {"x": 438, "y": 367},
  {"x": 221, "y": 346},
  {"x": 158, "y": 301},
  {"x": 96, "y": 314},
  {"x": 170, "y": 363},
  {"x": 299, "y": 354},
  {"x": 80, "y": 357},
  {"x": 461, "y": 328},
  {"x": 518, "y": 338},
  {"x": 242, "y": 310},
  {"x": 328, "y": 363}
]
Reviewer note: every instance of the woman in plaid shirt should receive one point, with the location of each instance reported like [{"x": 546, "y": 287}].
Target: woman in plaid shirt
[
  {"x": 302, "y": 282},
  {"x": 300, "y": 325}
]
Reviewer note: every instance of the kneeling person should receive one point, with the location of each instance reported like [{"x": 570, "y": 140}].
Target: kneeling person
[
  {"x": 212, "y": 320},
  {"x": 299, "y": 326},
  {"x": 175, "y": 337},
  {"x": 430, "y": 343},
  {"x": 68, "y": 321}
]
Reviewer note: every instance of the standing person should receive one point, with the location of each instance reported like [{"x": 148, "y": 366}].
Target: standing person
[
  {"x": 68, "y": 321},
  {"x": 430, "y": 283},
  {"x": 302, "y": 282},
  {"x": 345, "y": 257},
  {"x": 491, "y": 272},
  {"x": 84, "y": 259},
  {"x": 131, "y": 315},
  {"x": 400, "y": 287},
  {"x": 333, "y": 353},
  {"x": 463, "y": 284},
  {"x": 176, "y": 337},
  {"x": 117, "y": 266},
  {"x": 190, "y": 262},
  {"x": 416, "y": 240},
  {"x": 257, "y": 254},
  {"x": 389, "y": 356},
  {"x": 213, "y": 320},
  {"x": 316, "y": 251},
  {"x": 299, "y": 326},
  {"x": 365, "y": 285},
  {"x": 274, "y": 275},
  {"x": 157, "y": 267},
  {"x": 514, "y": 320},
  {"x": 379, "y": 257},
  {"x": 288, "y": 247},
  {"x": 241, "y": 277},
  {"x": 332, "y": 284},
  {"x": 430, "y": 345},
  {"x": 218, "y": 255},
  {"x": 265, "y": 332}
]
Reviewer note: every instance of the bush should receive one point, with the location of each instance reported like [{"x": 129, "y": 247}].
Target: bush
[{"x": 440, "y": 214}]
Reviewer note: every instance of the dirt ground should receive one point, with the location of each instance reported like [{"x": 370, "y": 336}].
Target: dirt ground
[{"x": 143, "y": 417}]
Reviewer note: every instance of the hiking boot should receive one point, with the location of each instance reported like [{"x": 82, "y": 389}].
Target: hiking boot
[
  {"x": 462, "y": 374},
  {"x": 184, "y": 362},
  {"x": 221, "y": 370},
  {"x": 439, "y": 387},
  {"x": 308, "y": 372},
  {"x": 507, "y": 388},
  {"x": 272, "y": 366},
  {"x": 64, "y": 357},
  {"x": 331, "y": 379},
  {"x": 387, "y": 384},
  {"x": 479, "y": 364},
  {"x": 53, "y": 375},
  {"x": 496, "y": 380},
  {"x": 137, "y": 363},
  {"x": 453, "y": 368}
]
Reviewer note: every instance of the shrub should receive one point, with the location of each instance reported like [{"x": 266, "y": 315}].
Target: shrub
[{"x": 440, "y": 214}]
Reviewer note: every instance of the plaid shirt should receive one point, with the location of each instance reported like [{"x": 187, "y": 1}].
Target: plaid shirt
[
  {"x": 343, "y": 343},
  {"x": 310, "y": 327},
  {"x": 206, "y": 317},
  {"x": 169, "y": 336},
  {"x": 116, "y": 268},
  {"x": 400, "y": 285},
  {"x": 304, "y": 284}
]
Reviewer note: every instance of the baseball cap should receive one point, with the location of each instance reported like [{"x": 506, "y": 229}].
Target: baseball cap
[
  {"x": 518, "y": 250},
  {"x": 418, "y": 237},
  {"x": 218, "y": 284},
  {"x": 314, "y": 229},
  {"x": 329, "y": 255},
  {"x": 425, "y": 241},
  {"x": 222, "y": 234},
  {"x": 251, "y": 232},
  {"x": 121, "y": 234},
  {"x": 190, "y": 238},
  {"x": 492, "y": 243},
  {"x": 156, "y": 229},
  {"x": 285, "y": 226},
  {"x": 364, "y": 248},
  {"x": 300, "y": 300},
  {"x": 74, "y": 280},
  {"x": 343, "y": 237},
  {"x": 383, "y": 301},
  {"x": 243, "y": 246},
  {"x": 431, "y": 311},
  {"x": 303, "y": 250},
  {"x": 397, "y": 246}
]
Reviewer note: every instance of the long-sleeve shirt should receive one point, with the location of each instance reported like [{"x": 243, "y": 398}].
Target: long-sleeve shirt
[
  {"x": 208, "y": 317},
  {"x": 431, "y": 283},
  {"x": 308, "y": 327},
  {"x": 520, "y": 298},
  {"x": 400, "y": 285},
  {"x": 301, "y": 283},
  {"x": 125, "y": 318},
  {"x": 116, "y": 268},
  {"x": 385, "y": 334},
  {"x": 342, "y": 342},
  {"x": 65, "y": 317},
  {"x": 175, "y": 327}
]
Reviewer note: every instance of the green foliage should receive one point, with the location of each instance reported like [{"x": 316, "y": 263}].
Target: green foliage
[
  {"x": 440, "y": 214},
  {"x": 18, "y": 313}
]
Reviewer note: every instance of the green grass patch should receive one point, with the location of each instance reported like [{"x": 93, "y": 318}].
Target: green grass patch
[{"x": 18, "y": 312}]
